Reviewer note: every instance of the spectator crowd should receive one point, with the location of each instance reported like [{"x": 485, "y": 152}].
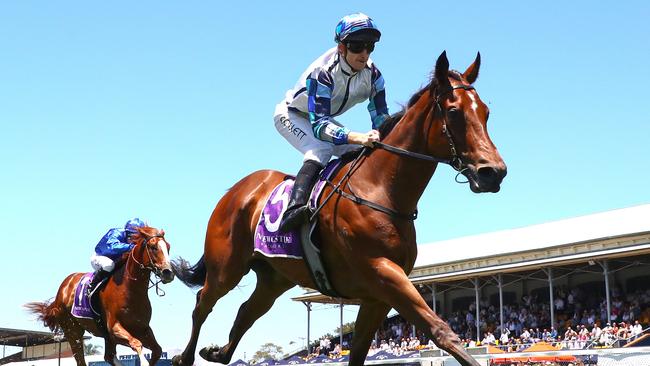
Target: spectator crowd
[{"x": 582, "y": 322}]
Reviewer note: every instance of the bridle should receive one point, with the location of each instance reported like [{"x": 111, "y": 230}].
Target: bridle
[
  {"x": 455, "y": 162},
  {"x": 150, "y": 266}
]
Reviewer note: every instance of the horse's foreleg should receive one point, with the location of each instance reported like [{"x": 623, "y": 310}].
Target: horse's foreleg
[
  {"x": 205, "y": 301},
  {"x": 396, "y": 290},
  {"x": 369, "y": 318},
  {"x": 270, "y": 285},
  {"x": 149, "y": 341},
  {"x": 123, "y": 336}
]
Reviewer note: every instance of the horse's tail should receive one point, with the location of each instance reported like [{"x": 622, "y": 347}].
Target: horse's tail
[
  {"x": 191, "y": 276},
  {"x": 47, "y": 312}
]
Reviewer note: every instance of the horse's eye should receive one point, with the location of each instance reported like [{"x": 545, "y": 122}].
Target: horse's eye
[{"x": 453, "y": 112}]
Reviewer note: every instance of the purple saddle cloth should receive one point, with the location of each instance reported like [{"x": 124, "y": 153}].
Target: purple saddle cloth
[
  {"x": 82, "y": 306},
  {"x": 271, "y": 242}
]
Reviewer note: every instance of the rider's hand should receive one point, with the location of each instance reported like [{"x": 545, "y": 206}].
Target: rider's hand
[{"x": 366, "y": 139}]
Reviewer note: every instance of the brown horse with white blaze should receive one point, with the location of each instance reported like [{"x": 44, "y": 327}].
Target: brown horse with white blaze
[
  {"x": 124, "y": 300},
  {"x": 368, "y": 240}
]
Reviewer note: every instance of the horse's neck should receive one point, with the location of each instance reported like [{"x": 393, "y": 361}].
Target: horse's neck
[
  {"x": 403, "y": 179},
  {"x": 136, "y": 276}
]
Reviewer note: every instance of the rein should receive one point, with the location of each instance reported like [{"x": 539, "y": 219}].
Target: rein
[
  {"x": 151, "y": 267},
  {"x": 455, "y": 162}
]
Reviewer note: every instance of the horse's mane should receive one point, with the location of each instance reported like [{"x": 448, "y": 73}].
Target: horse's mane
[
  {"x": 143, "y": 233},
  {"x": 392, "y": 120}
]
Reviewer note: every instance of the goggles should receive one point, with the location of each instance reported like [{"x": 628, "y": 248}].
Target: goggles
[{"x": 359, "y": 46}]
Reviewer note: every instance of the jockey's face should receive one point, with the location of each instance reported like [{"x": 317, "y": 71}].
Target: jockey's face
[{"x": 356, "y": 60}]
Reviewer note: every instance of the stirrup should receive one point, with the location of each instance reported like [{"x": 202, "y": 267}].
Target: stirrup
[{"x": 294, "y": 218}]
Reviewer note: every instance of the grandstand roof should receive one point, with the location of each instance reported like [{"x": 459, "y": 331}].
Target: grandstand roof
[
  {"x": 609, "y": 224},
  {"x": 25, "y": 338},
  {"x": 602, "y": 235}
]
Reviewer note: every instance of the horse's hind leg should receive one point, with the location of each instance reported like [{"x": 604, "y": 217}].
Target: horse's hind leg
[
  {"x": 74, "y": 332},
  {"x": 110, "y": 351},
  {"x": 270, "y": 285},
  {"x": 399, "y": 292},
  {"x": 369, "y": 318}
]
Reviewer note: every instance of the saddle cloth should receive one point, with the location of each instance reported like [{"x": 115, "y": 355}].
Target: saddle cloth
[
  {"x": 82, "y": 306},
  {"x": 271, "y": 242}
]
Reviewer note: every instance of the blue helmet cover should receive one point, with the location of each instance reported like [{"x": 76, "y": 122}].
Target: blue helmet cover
[
  {"x": 132, "y": 225},
  {"x": 356, "y": 23}
]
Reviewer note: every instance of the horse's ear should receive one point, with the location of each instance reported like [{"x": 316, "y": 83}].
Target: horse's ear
[
  {"x": 441, "y": 73},
  {"x": 471, "y": 74}
]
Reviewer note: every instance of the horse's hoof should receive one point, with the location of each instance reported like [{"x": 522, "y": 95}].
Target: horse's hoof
[
  {"x": 178, "y": 360},
  {"x": 211, "y": 353}
]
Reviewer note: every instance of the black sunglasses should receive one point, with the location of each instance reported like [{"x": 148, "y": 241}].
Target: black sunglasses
[{"x": 359, "y": 46}]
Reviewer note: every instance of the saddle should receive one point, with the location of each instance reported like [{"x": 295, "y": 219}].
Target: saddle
[{"x": 301, "y": 243}]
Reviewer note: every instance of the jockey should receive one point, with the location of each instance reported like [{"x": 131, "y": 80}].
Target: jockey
[
  {"x": 112, "y": 245},
  {"x": 340, "y": 78}
]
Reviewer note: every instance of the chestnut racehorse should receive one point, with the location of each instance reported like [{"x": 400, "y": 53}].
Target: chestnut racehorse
[
  {"x": 366, "y": 229},
  {"x": 124, "y": 301}
]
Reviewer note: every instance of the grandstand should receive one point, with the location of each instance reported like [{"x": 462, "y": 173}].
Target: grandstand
[
  {"x": 35, "y": 345},
  {"x": 605, "y": 256}
]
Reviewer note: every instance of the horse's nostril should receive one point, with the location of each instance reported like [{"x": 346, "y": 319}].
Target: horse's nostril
[
  {"x": 487, "y": 172},
  {"x": 167, "y": 274}
]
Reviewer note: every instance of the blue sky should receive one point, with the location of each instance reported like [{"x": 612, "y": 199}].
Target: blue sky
[{"x": 154, "y": 109}]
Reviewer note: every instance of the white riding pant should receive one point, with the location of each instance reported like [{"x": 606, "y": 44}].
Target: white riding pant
[
  {"x": 100, "y": 262},
  {"x": 296, "y": 128}
]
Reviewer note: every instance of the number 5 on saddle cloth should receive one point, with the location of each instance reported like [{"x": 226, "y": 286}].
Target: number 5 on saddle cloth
[{"x": 299, "y": 243}]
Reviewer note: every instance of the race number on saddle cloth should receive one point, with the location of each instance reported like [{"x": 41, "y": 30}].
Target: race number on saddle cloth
[
  {"x": 82, "y": 306},
  {"x": 269, "y": 240}
]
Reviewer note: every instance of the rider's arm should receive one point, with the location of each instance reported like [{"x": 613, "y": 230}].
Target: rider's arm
[
  {"x": 377, "y": 102},
  {"x": 112, "y": 244},
  {"x": 319, "y": 97}
]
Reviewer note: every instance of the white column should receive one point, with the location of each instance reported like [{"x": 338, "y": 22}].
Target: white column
[
  {"x": 478, "y": 313},
  {"x": 308, "y": 305},
  {"x": 500, "y": 285},
  {"x": 605, "y": 265},
  {"x": 341, "y": 326},
  {"x": 551, "y": 298}
]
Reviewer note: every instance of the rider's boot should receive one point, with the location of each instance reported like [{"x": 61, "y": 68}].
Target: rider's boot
[
  {"x": 297, "y": 213},
  {"x": 99, "y": 276}
]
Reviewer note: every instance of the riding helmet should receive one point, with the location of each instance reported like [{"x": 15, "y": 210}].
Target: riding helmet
[
  {"x": 356, "y": 27},
  {"x": 133, "y": 225}
]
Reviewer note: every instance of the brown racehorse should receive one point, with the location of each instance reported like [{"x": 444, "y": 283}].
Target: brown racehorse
[
  {"x": 369, "y": 251},
  {"x": 124, "y": 301}
]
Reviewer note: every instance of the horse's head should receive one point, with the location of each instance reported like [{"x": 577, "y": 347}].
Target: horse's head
[
  {"x": 463, "y": 123},
  {"x": 151, "y": 252}
]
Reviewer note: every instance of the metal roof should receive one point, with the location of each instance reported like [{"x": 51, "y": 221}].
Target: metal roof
[
  {"x": 25, "y": 338},
  {"x": 604, "y": 225},
  {"x": 606, "y": 234}
]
